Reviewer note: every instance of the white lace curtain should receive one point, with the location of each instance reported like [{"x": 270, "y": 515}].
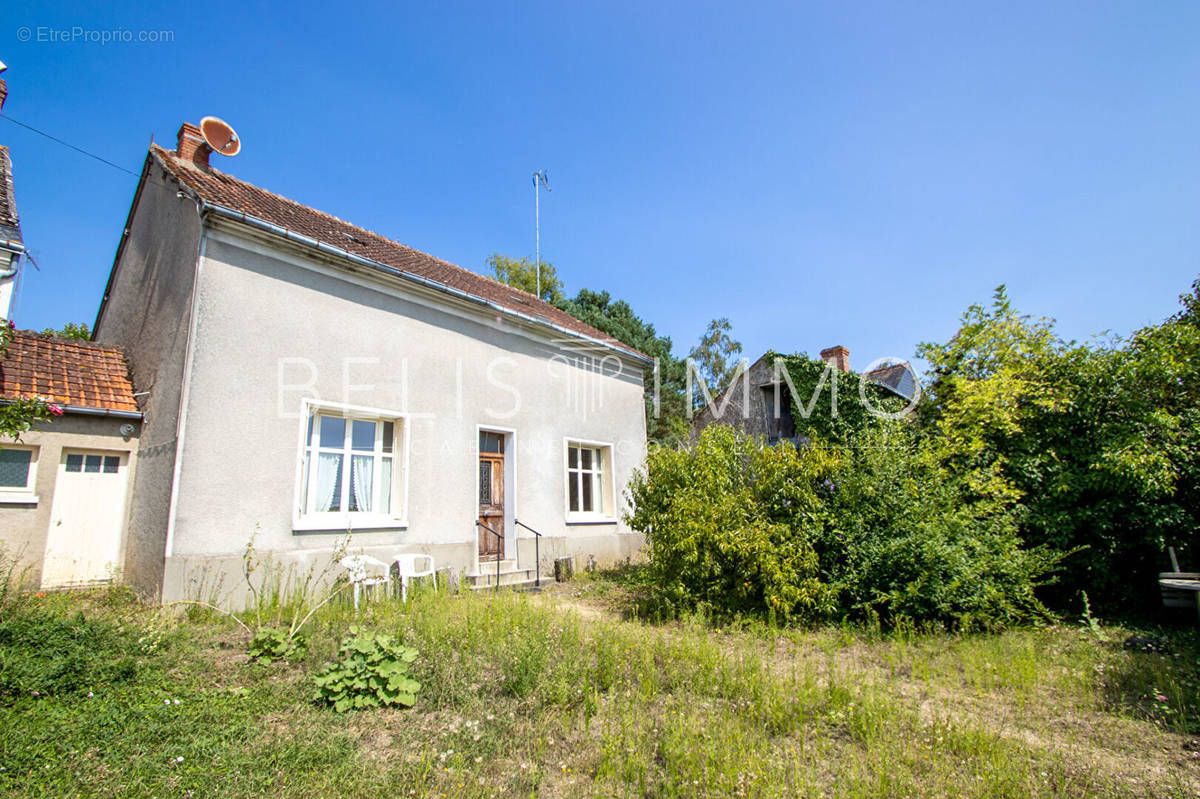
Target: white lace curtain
[
  {"x": 329, "y": 473},
  {"x": 360, "y": 483}
]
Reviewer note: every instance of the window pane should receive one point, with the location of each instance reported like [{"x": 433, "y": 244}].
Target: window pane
[
  {"x": 308, "y": 435},
  {"x": 585, "y": 456},
  {"x": 91, "y": 463},
  {"x": 329, "y": 483},
  {"x": 597, "y": 493},
  {"x": 385, "y": 483},
  {"x": 362, "y": 436},
  {"x": 111, "y": 464},
  {"x": 14, "y": 467},
  {"x": 361, "y": 484},
  {"x": 491, "y": 442},
  {"x": 333, "y": 432},
  {"x": 573, "y": 490},
  {"x": 389, "y": 435},
  {"x": 573, "y": 457},
  {"x": 587, "y": 493},
  {"x": 74, "y": 463}
]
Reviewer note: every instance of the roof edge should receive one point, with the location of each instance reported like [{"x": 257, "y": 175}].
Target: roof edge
[{"x": 321, "y": 246}]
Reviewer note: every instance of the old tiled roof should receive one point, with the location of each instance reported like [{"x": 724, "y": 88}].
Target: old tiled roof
[
  {"x": 10, "y": 227},
  {"x": 66, "y": 371},
  {"x": 896, "y": 377},
  {"x": 218, "y": 188}
]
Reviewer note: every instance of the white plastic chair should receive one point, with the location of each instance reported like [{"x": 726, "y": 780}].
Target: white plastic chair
[
  {"x": 364, "y": 570},
  {"x": 406, "y": 566}
]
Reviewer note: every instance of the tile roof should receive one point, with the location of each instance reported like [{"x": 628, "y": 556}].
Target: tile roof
[
  {"x": 66, "y": 371},
  {"x": 10, "y": 225},
  {"x": 217, "y": 188},
  {"x": 896, "y": 377}
]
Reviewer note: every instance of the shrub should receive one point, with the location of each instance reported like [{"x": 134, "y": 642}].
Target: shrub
[
  {"x": 271, "y": 643},
  {"x": 372, "y": 672},
  {"x": 904, "y": 540},
  {"x": 727, "y": 524},
  {"x": 879, "y": 528}
]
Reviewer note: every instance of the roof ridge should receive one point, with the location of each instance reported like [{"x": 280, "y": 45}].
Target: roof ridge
[
  {"x": 70, "y": 341},
  {"x": 226, "y": 176}
]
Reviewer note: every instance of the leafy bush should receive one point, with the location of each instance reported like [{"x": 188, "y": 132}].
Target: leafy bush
[
  {"x": 271, "y": 643},
  {"x": 905, "y": 540},
  {"x": 876, "y": 528},
  {"x": 372, "y": 672},
  {"x": 727, "y": 524}
]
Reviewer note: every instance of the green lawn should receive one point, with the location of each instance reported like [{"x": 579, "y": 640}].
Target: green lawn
[{"x": 559, "y": 695}]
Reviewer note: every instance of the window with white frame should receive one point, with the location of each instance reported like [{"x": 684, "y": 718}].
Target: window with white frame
[
  {"x": 349, "y": 467},
  {"x": 18, "y": 470},
  {"x": 589, "y": 480}
]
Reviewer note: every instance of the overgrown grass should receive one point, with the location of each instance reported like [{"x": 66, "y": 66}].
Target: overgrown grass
[{"x": 555, "y": 695}]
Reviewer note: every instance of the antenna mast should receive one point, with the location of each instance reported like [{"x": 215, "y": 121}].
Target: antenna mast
[{"x": 538, "y": 177}]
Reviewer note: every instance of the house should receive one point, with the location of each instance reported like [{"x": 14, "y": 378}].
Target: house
[
  {"x": 306, "y": 378},
  {"x": 64, "y": 486},
  {"x": 758, "y": 401}
]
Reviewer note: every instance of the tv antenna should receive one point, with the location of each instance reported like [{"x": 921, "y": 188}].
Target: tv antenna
[
  {"x": 540, "y": 177},
  {"x": 220, "y": 136}
]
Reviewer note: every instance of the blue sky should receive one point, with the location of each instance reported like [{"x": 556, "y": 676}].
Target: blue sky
[{"x": 820, "y": 173}]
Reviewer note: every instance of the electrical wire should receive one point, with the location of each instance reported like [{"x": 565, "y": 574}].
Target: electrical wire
[{"x": 68, "y": 144}]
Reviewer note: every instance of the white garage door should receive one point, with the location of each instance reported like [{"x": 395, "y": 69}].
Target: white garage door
[{"x": 84, "y": 541}]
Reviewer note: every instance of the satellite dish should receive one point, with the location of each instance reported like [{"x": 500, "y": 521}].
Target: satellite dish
[{"x": 220, "y": 136}]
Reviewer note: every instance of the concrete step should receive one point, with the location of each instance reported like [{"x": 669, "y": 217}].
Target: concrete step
[{"x": 511, "y": 577}]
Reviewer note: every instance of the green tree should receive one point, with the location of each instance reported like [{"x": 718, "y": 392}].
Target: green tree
[
  {"x": 1095, "y": 447},
  {"x": 70, "y": 330},
  {"x": 669, "y": 424},
  {"x": 716, "y": 356},
  {"x": 521, "y": 273}
]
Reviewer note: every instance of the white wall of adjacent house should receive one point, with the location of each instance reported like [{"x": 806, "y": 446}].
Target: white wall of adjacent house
[
  {"x": 320, "y": 401},
  {"x": 8, "y": 283}
]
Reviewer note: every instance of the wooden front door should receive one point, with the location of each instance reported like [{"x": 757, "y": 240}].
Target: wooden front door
[{"x": 491, "y": 495}]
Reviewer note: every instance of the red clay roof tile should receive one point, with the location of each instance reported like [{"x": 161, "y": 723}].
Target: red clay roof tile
[{"x": 66, "y": 371}]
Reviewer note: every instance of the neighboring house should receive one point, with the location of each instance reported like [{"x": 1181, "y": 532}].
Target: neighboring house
[
  {"x": 12, "y": 246},
  {"x": 306, "y": 377},
  {"x": 749, "y": 403},
  {"x": 64, "y": 486}
]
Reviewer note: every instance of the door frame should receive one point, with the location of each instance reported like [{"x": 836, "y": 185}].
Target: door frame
[{"x": 510, "y": 493}]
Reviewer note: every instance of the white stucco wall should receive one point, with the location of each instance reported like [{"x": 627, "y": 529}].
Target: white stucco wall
[{"x": 263, "y": 317}]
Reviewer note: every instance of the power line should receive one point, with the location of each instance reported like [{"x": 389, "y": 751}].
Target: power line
[{"x": 72, "y": 146}]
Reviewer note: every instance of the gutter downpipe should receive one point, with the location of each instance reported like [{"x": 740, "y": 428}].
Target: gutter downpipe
[{"x": 17, "y": 249}]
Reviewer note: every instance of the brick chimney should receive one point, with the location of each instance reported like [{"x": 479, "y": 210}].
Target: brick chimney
[
  {"x": 191, "y": 146},
  {"x": 838, "y": 357},
  {"x": 3, "y": 94}
]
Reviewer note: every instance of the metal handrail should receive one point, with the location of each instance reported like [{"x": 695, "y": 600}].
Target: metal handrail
[
  {"x": 498, "y": 558},
  {"x": 537, "y": 558}
]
